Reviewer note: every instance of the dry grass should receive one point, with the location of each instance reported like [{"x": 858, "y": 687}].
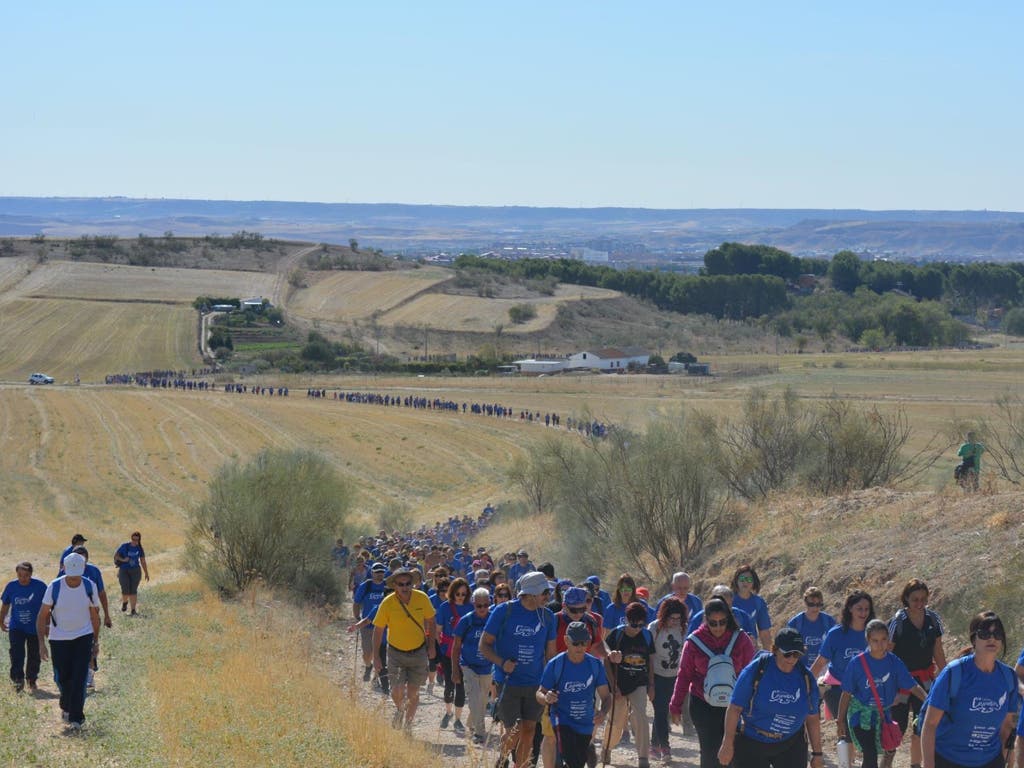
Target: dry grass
[
  {"x": 243, "y": 688},
  {"x": 337, "y": 296},
  {"x": 478, "y": 315},
  {"x": 65, "y": 337},
  {"x": 83, "y": 280}
]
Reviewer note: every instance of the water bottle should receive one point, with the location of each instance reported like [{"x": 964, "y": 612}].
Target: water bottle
[{"x": 844, "y": 751}]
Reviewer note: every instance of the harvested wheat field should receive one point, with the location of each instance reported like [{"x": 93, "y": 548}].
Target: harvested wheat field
[
  {"x": 109, "y": 458},
  {"x": 334, "y": 296},
  {"x": 451, "y": 312},
  {"x": 119, "y": 282},
  {"x": 66, "y": 337}
]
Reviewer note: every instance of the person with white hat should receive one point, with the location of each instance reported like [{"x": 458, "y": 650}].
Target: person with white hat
[{"x": 70, "y": 618}]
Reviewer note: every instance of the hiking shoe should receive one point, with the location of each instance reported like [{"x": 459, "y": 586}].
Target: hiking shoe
[
  {"x": 446, "y": 720},
  {"x": 458, "y": 727},
  {"x": 19, "y": 685},
  {"x": 64, "y": 715},
  {"x": 32, "y": 686},
  {"x": 76, "y": 726},
  {"x": 134, "y": 613},
  {"x": 643, "y": 762},
  {"x": 396, "y": 720},
  {"x": 478, "y": 738},
  {"x": 625, "y": 737},
  {"x": 367, "y": 671},
  {"x": 124, "y": 606},
  {"x": 655, "y": 752}
]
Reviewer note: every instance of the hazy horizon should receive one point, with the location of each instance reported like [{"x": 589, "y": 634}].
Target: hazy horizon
[{"x": 664, "y": 106}]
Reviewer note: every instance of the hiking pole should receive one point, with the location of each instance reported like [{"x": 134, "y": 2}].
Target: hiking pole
[
  {"x": 494, "y": 717},
  {"x": 606, "y": 749}
]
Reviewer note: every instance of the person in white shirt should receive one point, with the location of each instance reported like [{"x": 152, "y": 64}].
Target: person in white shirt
[{"x": 70, "y": 618}]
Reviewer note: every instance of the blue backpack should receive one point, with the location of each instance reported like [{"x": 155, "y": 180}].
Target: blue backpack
[{"x": 55, "y": 593}]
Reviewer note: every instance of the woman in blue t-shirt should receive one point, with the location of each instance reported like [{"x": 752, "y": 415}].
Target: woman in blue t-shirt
[
  {"x": 972, "y": 703},
  {"x": 746, "y": 587},
  {"x": 773, "y": 712},
  {"x": 615, "y": 611},
  {"x": 859, "y": 719},
  {"x": 448, "y": 614},
  {"x": 130, "y": 560},
  {"x": 812, "y": 623},
  {"x": 841, "y": 644}
]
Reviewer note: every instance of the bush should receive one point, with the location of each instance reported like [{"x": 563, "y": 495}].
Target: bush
[
  {"x": 273, "y": 518},
  {"x": 521, "y": 313},
  {"x": 1013, "y": 322}
]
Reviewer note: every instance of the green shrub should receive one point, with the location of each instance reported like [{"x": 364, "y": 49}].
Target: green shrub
[{"x": 273, "y": 518}]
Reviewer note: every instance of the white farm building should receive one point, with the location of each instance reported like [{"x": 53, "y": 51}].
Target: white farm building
[{"x": 608, "y": 359}]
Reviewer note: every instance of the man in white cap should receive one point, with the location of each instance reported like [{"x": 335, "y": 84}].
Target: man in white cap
[
  {"x": 519, "y": 638},
  {"x": 70, "y": 618}
]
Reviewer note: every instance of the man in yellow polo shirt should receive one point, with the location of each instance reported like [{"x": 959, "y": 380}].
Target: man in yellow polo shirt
[{"x": 408, "y": 615}]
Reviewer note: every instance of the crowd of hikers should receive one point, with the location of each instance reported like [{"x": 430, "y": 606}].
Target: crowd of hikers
[
  {"x": 59, "y": 620},
  {"x": 569, "y": 670}
]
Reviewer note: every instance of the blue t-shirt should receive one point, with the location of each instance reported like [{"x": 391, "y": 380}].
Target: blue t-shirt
[
  {"x": 523, "y": 636},
  {"x": 470, "y": 628},
  {"x": 131, "y": 551},
  {"x": 841, "y": 645},
  {"x": 575, "y": 685},
  {"x": 782, "y": 703},
  {"x": 369, "y": 594},
  {"x": 517, "y": 570},
  {"x": 757, "y": 608},
  {"x": 742, "y": 618},
  {"x": 448, "y": 616},
  {"x": 614, "y": 615},
  {"x": 813, "y": 632},
  {"x": 693, "y": 603},
  {"x": 969, "y": 733},
  {"x": 890, "y": 675},
  {"x": 25, "y": 602},
  {"x": 93, "y": 573}
]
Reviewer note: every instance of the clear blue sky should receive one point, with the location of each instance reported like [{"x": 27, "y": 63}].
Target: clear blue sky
[{"x": 655, "y": 104}]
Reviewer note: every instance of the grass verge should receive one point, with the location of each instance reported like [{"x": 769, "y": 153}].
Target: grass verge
[{"x": 196, "y": 681}]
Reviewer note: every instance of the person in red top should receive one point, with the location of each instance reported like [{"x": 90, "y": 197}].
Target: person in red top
[
  {"x": 715, "y": 632},
  {"x": 575, "y": 608}
]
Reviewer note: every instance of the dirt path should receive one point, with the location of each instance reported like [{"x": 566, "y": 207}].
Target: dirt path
[{"x": 343, "y": 659}]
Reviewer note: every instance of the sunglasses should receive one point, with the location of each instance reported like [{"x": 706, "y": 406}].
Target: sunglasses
[
  {"x": 481, "y": 605},
  {"x": 576, "y": 608},
  {"x": 792, "y": 654},
  {"x": 718, "y": 623},
  {"x": 402, "y": 584},
  {"x": 462, "y": 594},
  {"x": 635, "y": 624},
  {"x": 815, "y": 605},
  {"x": 989, "y": 634},
  {"x": 746, "y": 578},
  {"x": 579, "y": 643}
]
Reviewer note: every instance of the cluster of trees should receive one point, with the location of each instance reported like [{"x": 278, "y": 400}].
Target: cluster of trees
[
  {"x": 965, "y": 287},
  {"x": 665, "y": 493},
  {"x": 363, "y": 261},
  {"x": 521, "y": 313},
  {"x": 735, "y": 297},
  {"x": 742, "y": 259},
  {"x": 872, "y": 320}
]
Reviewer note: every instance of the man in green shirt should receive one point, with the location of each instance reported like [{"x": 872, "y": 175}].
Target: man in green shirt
[{"x": 970, "y": 462}]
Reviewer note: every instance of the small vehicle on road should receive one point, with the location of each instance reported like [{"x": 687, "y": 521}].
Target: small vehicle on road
[{"x": 40, "y": 378}]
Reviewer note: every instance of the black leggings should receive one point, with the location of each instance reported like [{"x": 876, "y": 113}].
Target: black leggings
[
  {"x": 868, "y": 748},
  {"x": 709, "y": 722},
  {"x": 995, "y": 762},
  {"x": 791, "y": 753},
  {"x": 453, "y": 692}
]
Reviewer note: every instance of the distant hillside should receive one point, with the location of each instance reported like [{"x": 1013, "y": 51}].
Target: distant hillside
[{"x": 636, "y": 234}]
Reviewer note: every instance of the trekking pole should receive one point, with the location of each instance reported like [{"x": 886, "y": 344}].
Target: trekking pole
[
  {"x": 494, "y": 717},
  {"x": 606, "y": 749}
]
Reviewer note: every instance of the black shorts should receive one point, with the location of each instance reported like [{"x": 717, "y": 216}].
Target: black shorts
[
  {"x": 129, "y": 579},
  {"x": 519, "y": 702}
]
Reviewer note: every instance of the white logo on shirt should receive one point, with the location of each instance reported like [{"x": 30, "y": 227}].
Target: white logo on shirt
[
  {"x": 784, "y": 697},
  {"x": 987, "y": 706}
]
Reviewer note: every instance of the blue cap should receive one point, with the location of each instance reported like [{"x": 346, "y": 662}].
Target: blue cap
[
  {"x": 575, "y": 596},
  {"x": 594, "y": 580}
]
